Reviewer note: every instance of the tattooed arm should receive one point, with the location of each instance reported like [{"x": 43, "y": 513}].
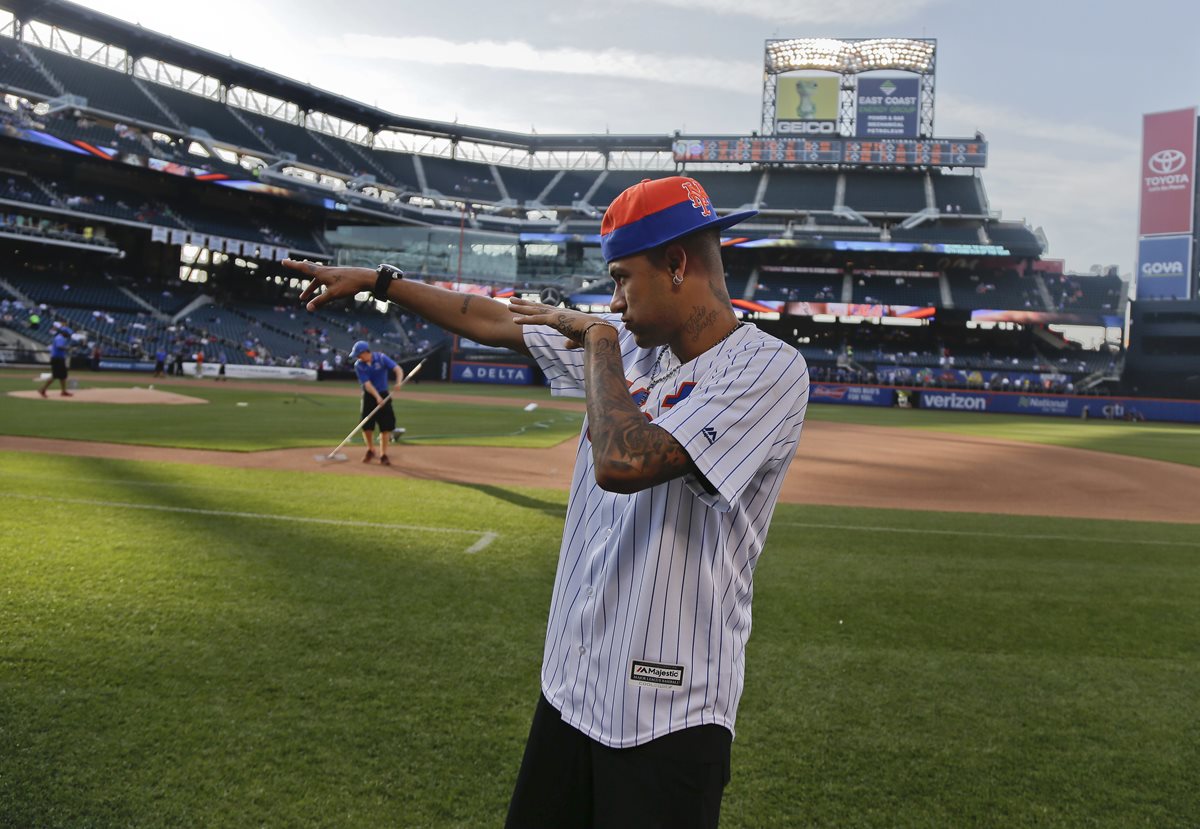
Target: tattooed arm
[
  {"x": 629, "y": 452},
  {"x": 479, "y": 318}
]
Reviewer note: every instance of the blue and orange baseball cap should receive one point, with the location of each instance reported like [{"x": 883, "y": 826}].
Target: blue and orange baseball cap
[
  {"x": 656, "y": 211},
  {"x": 359, "y": 347}
]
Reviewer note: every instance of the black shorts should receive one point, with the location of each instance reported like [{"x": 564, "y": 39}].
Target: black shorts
[
  {"x": 58, "y": 368},
  {"x": 569, "y": 779},
  {"x": 384, "y": 419}
]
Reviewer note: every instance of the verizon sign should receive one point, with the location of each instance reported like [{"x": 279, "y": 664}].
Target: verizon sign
[{"x": 1168, "y": 172}]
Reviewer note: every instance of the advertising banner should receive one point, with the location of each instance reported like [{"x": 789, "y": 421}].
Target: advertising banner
[
  {"x": 1107, "y": 408},
  {"x": 806, "y": 106},
  {"x": 508, "y": 374},
  {"x": 1165, "y": 268},
  {"x": 249, "y": 372},
  {"x": 857, "y": 309},
  {"x": 1168, "y": 172},
  {"x": 888, "y": 107},
  {"x": 851, "y": 395}
]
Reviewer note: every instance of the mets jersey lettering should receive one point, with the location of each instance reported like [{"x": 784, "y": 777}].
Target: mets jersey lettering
[{"x": 651, "y": 606}]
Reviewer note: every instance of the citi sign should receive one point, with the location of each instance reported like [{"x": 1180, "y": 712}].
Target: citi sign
[{"x": 1166, "y": 171}]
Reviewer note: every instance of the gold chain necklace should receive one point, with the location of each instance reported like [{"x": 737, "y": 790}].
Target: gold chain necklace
[{"x": 654, "y": 381}]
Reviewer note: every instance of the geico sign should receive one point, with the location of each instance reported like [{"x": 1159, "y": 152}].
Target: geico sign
[
  {"x": 953, "y": 401},
  {"x": 1174, "y": 268},
  {"x": 807, "y": 127}
]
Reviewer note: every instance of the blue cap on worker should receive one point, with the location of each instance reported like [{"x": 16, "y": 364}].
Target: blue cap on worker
[{"x": 359, "y": 348}]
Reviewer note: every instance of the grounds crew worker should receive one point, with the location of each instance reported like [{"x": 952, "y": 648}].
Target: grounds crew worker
[
  {"x": 372, "y": 369},
  {"x": 60, "y": 355},
  {"x": 692, "y": 421}
]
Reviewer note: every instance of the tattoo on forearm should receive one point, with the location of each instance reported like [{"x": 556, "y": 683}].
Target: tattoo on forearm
[
  {"x": 621, "y": 435},
  {"x": 466, "y": 304},
  {"x": 699, "y": 320}
]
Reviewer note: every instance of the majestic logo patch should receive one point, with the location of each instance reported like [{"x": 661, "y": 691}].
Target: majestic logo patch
[
  {"x": 710, "y": 434},
  {"x": 656, "y": 675}
]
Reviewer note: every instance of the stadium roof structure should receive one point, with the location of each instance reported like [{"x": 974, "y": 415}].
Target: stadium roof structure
[{"x": 144, "y": 43}]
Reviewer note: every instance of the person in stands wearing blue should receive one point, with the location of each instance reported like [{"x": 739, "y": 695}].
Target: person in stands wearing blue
[
  {"x": 60, "y": 350},
  {"x": 372, "y": 369}
]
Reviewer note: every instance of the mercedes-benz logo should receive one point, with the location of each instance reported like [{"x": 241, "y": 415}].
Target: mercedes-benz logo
[{"x": 1165, "y": 162}]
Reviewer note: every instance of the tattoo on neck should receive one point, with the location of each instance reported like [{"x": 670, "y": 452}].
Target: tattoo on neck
[
  {"x": 466, "y": 304},
  {"x": 718, "y": 289},
  {"x": 700, "y": 319}
]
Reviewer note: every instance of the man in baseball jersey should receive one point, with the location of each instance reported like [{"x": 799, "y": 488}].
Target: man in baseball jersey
[
  {"x": 372, "y": 370},
  {"x": 692, "y": 421}
]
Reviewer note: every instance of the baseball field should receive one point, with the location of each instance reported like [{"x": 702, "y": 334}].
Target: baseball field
[{"x": 960, "y": 619}]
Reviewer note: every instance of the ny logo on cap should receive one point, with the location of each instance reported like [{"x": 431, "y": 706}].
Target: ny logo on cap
[{"x": 698, "y": 196}]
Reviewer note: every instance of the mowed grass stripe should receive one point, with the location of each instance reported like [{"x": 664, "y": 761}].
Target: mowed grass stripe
[
  {"x": 176, "y": 668},
  {"x": 485, "y": 538}
]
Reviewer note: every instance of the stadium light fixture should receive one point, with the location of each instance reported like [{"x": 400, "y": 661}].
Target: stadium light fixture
[{"x": 849, "y": 57}]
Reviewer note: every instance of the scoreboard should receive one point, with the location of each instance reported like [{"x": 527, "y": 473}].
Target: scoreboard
[{"x": 894, "y": 152}]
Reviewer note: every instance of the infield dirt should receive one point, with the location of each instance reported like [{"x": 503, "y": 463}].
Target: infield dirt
[{"x": 837, "y": 464}]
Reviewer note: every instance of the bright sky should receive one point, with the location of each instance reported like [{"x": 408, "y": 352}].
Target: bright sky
[{"x": 1057, "y": 86}]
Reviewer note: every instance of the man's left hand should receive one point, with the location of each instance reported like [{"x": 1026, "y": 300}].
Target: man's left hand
[{"x": 571, "y": 324}]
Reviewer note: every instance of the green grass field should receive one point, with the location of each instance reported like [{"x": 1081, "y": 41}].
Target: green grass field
[
  {"x": 274, "y": 419},
  {"x": 199, "y": 646},
  {"x": 196, "y": 646}
]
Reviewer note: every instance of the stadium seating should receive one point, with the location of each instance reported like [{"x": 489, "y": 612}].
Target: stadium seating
[
  {"x": 896, "y": 290},
  {"x": 896, "y": 194},
  {"x": 570, "y": 188},
  {"x": 460, "y": 179},
  {"x": 17, "y": 71},
  {"x": 106, "y": 89},
  {"x": 211, "y": 116},
  {"x": 1077, "y": 292},
  {"x": 943, "y": 233},
  {"x": 526, "y": 185},
  {"x": 290, "y": 138},
  {"x": 956, "y": 194},
  {"x": 1006, "y": 290},
  {"x": 807, "y": 190}
]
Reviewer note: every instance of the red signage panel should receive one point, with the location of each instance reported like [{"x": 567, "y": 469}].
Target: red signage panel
[{"x": 1168, "y": 172}]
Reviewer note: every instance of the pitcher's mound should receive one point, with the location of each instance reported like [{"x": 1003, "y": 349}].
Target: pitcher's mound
[{"x": 135, "y": 395}]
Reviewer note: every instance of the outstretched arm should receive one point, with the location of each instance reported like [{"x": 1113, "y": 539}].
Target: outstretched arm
[
  {"x": 476, "y": 317},
  {"x": 629, "y": 452}
]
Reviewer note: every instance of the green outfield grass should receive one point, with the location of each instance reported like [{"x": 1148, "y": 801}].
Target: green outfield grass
[
  {"x": 274, "y": 419},
  {"x": 196, "y": 646}
]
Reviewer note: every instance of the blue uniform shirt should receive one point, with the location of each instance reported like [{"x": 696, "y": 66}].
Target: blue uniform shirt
[
  {"x": 61, "y": 343},
  {"x": 377, "y": 371}
]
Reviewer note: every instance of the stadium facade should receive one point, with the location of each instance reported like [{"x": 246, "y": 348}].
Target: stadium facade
[{"x": 151, "y": 188}]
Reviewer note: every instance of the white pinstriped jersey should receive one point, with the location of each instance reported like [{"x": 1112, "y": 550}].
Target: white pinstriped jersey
[{"x": 651, "y": 606}]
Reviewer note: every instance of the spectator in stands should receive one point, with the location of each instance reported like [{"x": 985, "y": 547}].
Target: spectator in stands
[
  {"x": 60, "y": 351},
  {"x": 372, "y": 369}
]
